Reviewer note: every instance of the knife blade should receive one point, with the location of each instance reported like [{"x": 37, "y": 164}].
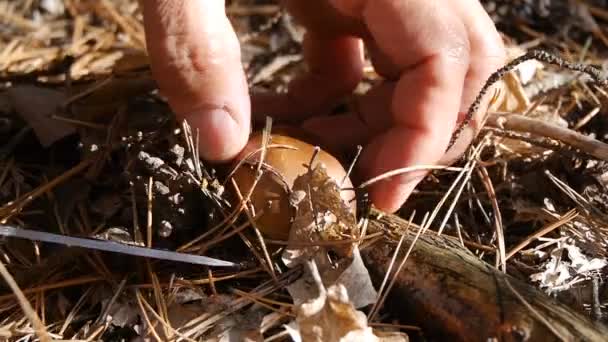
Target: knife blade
[{"x": 112, "y": 246}]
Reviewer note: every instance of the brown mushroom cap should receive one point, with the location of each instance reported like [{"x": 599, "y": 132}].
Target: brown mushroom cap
[{"x": 272, "y": 191}]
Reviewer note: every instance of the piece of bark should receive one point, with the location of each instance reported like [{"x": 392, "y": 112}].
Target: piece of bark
[{"x": 454, "y": 296}]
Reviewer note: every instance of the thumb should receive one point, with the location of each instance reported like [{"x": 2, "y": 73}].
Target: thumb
[{"x": 196, "y": 59}]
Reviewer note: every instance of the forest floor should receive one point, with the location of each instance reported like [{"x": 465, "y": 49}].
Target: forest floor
[{"x": 89, "y": 149}]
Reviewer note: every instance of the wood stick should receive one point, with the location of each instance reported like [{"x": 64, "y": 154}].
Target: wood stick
[
  {"x": 521, "y": 123},
  {"x": 454, "y": 296}
]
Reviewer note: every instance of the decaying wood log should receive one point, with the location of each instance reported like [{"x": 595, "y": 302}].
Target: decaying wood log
[{"x": 454, "y": 296}]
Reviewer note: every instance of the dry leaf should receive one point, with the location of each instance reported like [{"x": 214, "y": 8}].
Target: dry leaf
[
  {"x": 321, "y": 215},
  {"x": 349, "y": 273},
  {"x": 100, "y": 105},
  {"x": 330, "y": 316},
  {"x": 36, "y": 105}
]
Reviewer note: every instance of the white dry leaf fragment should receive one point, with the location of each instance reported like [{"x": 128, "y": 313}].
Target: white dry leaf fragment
[
  {"x": 331, "y": 316},
  {"x": 36, "y": 105},
  {"x": 354, "y": 276},
  {"x": 560, "y": 271},
  {"x": 350, "y": 273},
  {"x": 549, "y": 204},
  {"x": 54, "y": 7},
  {"x": 581, "y": 263},
  {"x": 293, "y": 330},
  {"x": 526, "y": 70},
  {"x": 550, "y": 80},
  {"x": 555, "y": 274}
]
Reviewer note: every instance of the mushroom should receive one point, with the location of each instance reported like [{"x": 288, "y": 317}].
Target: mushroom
[{"x": 291, "y": 150}]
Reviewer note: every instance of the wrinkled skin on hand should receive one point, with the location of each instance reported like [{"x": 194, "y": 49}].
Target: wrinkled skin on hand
[{"x": 433, "y": 55}]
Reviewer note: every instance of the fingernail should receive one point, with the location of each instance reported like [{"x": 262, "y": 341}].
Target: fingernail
[{"x": 219, "y": 135}]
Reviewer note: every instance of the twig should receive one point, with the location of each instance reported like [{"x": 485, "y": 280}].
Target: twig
[{"x": 520, "y": 123}]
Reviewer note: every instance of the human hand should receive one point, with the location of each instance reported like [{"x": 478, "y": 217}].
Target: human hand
[{"x": 434, "y": 57}]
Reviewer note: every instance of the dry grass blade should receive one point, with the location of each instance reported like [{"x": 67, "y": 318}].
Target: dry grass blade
[
  {"x": 199, "y": 325},
  {"x": 149, "y": 214},
  {"x": 142, "y": 302},
  {"x": 93, "y": 53},
  {"x": 567, "y": 217},
  {"x": 25, "y": 305},
  {"x": 136, "y": 33},
  {"x": 58, "y": 285},
  {"x": 161, "y": 304},
  {"x": 75, "y": 310},
  {"x": 585, "y": 119},
  {"x": 117, "y": 293},
  {"x": 251, "y": 217},
  {"x": 500, "y": 234},
  {"x": 267, "y": 303},
  {"x": 467, "y": 175},
  {"x": 584, "y": 205},
  {"x": 404, "y": 170},
  {"x": 13, "y": 208},
  {"x": 151, "y": 327}
]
